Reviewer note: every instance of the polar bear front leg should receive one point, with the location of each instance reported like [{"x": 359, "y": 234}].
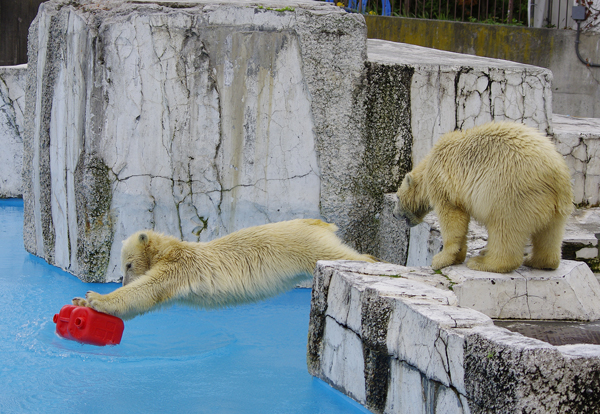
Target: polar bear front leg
[
  {"x": 112, "y": 303},
  {"x": 133, "y": 299},
  {"x": 454, "y": 225}
]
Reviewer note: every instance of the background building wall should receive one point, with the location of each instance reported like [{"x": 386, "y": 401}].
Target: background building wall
[{"x": 575, "y": 87}]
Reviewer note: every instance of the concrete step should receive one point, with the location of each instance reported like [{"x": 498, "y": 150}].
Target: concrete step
[
  {"x": 393, "y": 336},
  {"x": 578, "y": 140}
]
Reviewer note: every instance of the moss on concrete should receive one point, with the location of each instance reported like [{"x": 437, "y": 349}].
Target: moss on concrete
[
  {"x": 387, "y": 142},
  {"x": 94, "y": 220}
]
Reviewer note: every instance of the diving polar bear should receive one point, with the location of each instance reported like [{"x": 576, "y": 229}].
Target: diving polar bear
[{"x": 244, "y": 266}]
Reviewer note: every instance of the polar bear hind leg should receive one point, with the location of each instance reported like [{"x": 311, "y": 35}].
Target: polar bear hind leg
[
  {"x": 546, "y": 252},
  {"x": 504, "y": 250}
]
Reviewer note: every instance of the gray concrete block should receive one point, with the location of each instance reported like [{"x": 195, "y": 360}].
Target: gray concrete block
[
  {"x": 434, "y": 356},
  {"x": 570, "y": 292},
  {"x": 454, "y": 91},
  {"x": 12, "y": 106},
  {"x": 578, "y": 140}
]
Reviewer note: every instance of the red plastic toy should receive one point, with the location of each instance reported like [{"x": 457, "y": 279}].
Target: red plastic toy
[{"x": 88, "y": 326}]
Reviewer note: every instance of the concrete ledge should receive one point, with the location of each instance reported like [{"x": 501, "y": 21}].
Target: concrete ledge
[
  {"x": 400, "y": 345},
  {"x": 570, "y": 292},
  {"x": 580, "y": 241},
  {"x": 575, "y": 87},
  {"x": 578, "y": 140},
  {"x": 451, "y": 91}
]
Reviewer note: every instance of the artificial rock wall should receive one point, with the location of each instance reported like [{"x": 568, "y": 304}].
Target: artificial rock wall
[
  {"x": 575, "y": 86},
  {"x": 400, "y": 340},
  {"x": 578, "y": 140},
  {"x": 194, "y": 119},
  {"x": 450, "y": 91},
  {"x": 12, "y": 107},
  {"x": 200, "y": 118}
]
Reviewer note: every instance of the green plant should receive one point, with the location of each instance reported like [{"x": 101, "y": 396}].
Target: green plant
[
  {"x": 451, "y": 283},
  {"x": 284, "y": 9}
]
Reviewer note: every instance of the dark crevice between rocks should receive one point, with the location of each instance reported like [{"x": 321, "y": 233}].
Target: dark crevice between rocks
[
  {"x": 387, "y": 140},
  {"x": 316, "y": 327},
  {"x": 375, "y": 316}
]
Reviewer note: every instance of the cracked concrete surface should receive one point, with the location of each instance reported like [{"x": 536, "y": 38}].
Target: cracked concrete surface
[
  {"x": 205, "y": 127},
  {"x": 578, "y": 140},
  {"x": 570, "y": 292},
  {"x": 208, "y": 118},
  {"x": 438, "y": 357},
  {"x": 12, "y": 106},
  {"x": 452, "y": 91}
]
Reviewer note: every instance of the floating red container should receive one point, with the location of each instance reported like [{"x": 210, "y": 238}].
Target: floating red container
[{"x": 88, "y": 326}]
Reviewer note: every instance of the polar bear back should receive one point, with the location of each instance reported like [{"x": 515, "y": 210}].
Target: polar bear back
[
  {"x": 500, "y": 165},
  {"x": 244, "y": 266}
]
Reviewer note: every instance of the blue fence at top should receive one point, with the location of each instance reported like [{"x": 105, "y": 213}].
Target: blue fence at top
[{"x": 361, "y": 6}]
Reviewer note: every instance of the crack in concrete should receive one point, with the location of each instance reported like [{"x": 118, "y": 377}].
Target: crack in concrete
[
  {"x": 8, "y": 108},
  {"x": 445, "y": 358},
  {"x": 343, "y": 325}
]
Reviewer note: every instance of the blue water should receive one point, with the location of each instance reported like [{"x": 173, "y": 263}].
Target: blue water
[{"x": 246, "y": 359}]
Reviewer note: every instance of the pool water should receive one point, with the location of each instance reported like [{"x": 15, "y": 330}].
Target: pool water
[{"x": 246, "y": 359}]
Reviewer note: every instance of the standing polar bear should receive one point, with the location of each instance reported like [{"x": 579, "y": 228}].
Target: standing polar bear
[
  {"x": 509, "y": 178},
  {"x": 244, "y": 266}
]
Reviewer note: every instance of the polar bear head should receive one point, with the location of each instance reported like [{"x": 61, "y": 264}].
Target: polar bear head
[
  {"x": 412, "y": 203},
  {"x": 135, "y": 256}
]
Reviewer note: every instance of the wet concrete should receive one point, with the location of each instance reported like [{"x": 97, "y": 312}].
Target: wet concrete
[{"x": 554, "y": 332}]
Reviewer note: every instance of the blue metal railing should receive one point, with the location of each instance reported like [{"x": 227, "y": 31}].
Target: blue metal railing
[{"x": 361, "y": 6}]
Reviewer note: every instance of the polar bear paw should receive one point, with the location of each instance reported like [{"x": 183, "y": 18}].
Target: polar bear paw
[
  {"x": 444, "y": 259},
  {"x": 545, "y": 263},
  {"x": 93, "y": 300}
]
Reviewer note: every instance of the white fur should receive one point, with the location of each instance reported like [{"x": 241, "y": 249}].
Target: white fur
[
  {"x": 247, "y": 265},
  {"x": 505, "y": 175}
]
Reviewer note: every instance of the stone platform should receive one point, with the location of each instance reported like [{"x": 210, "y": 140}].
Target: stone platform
[
  {"x": 451, "y": 91},
  {"x": 556, "y": 332},
  {"x": 570, "y": 292},
  {"x": 396, "y": 340},
  {"x": 578, "y": 140}
]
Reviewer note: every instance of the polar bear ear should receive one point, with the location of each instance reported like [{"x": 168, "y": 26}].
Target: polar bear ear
[
  {"x": 143, "y": 238},
  {"x": 409, "y": 180}
]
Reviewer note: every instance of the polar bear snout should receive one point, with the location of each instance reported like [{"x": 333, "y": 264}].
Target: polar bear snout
[
  {"x": 399, "y": 215},
  {"x": 126, "y": 273},
  {"x": 408, "y": 217}
]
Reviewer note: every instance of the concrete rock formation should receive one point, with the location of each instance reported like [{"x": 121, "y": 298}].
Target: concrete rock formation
[
  {"x": 394, "y": 339},
  {"x": 199, "y": 118},
  {"x": 195, "y": 119},
  {"x": 12, "y": 107},
  {"x": 453, "y": 91},
  {"x": 578, "y": 140}
]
